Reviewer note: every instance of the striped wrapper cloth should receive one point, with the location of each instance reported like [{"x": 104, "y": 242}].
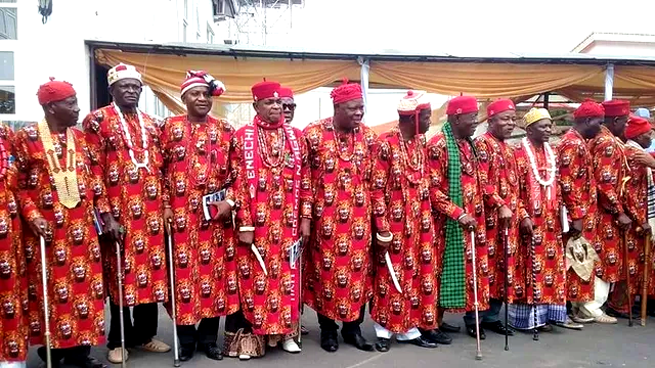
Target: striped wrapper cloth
[{"x": 453, "y": 278}]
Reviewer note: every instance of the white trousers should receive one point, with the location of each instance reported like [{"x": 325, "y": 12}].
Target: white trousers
[
  {"x": 383, "y": 333},
  {"x": 13, "y": 364},
  {"x": 601, "y": 293}
]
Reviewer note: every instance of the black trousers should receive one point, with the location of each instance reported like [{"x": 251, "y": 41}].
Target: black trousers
[
  {"x": 206, "y": 333},
  {"x": 236, "y": 321},
  {"x": 348, "y": 329},
  {"x": 140, "y": 332},
  {"x": 75, "y": 354}
]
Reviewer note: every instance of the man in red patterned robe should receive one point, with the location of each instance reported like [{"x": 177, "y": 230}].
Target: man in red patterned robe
[
  {"x": 272, "y": 180},
  {"x": 53, "y": 152},
  {"x": 13, "y": 288},
  {"x": 196, "y": 164},
  {"x": 453, "y": 163},
  {"x": 401, "y": 199},
  {"x": 337, "y": 276},
  {"x": 611, "y": 171},
  {"x": 124, "y": 142},
  {"x": 503, "y": 207},
  {"x": 639, "y": 194},
  {"x": 540, "y": 281},
  {"x": 578, "y": 185}
]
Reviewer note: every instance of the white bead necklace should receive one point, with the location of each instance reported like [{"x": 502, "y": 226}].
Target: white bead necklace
[
  {"x": 128, "y": 138},
  {"x": 533, "y": 164}
]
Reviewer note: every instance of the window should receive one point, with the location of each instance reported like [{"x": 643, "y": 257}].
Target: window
[
  {"x": 6, "y": 66},
  {"x": 7, "y": 89},
  {"x": 8, "y": 27},
  {"x": 197, "y": 23},
  {"x": 210, "y": 34}
]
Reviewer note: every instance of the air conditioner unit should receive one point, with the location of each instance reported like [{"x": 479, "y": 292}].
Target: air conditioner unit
[{"x": 230, "y": 42}]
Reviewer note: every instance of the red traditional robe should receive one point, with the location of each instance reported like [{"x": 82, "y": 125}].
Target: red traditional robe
[
  {"x": 196, "y": 163},
  {"x": 401, "y": 200},
  {"x": 610, "y": 168},
  {"x": 497, "y": 170},
  {"x": 268, "y": 302},
  {"x": 547, "y": 264},
  {"x": 472, "y": 197},
  {"x": 578, "y": 185},
  {"x": 13, "y": 280},
  {"x": 75, "y": 282},
  {"x": 136, "y": 200},
  {"x": 636, "y": 206},
  {"x": 338, "y": 268}
]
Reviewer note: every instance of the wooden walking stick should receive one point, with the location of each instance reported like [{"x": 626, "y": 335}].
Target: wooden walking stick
[
  {"x": 478, "y": 353},
  {"x": 535, "y": 333},
  {"x": 171, "y": 266},
  {"x": 646, "y": 280},
  {"x": 46, "y": 304},
  {"x": 627, "y": 276},
  {"x": 506, "y": 287}
]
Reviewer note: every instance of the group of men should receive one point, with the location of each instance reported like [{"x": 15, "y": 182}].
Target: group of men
[{"x": 267, "y": 218}]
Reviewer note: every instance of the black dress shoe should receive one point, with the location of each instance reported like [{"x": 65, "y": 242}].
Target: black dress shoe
[
  {"x": 470, "y": 329},
  {"x": 545, "y": 328},
  {"x": 498, "y": 327},
  {"x": 437, "y": 336},
  {"x": 358, "y": 341},
  {"x": 186, "y": 352},
  {"x": 420, "y": 342},
  {"x": 383, "y": 345},
  {"x": 614, "y": 313},
  {"x": 212, "y": 351},
  {"x": 329, "y": 341},
  {"x": 445, "y": 327},
  {"x": 87, "y": 362}
]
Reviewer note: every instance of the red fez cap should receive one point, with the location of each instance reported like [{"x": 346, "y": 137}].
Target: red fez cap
[
  {"x": 462, "y": 105},
  {"x": 285, "y": 92},
  {"x": 636, "y": 127},
  {"x": 54, "y": 91},
  {"x": 265, "y": 89},
  {"x": 346, "y": 92},
  {"x": 499, "y": 106},
  {"x": 617, "y": 107},
  {"x": 589, "y": 108}
]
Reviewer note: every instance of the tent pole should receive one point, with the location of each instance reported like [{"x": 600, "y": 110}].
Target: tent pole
[
  {"x": 546, "y": 96},
  {"x": 609, "y": 81},
  {"x": 364, "y": 79}
]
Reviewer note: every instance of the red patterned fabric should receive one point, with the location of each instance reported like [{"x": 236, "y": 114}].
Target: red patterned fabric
[
  {"x": 610, "y": 168},
  {"x": 75, "y": 283},
  {"x": 268, "y": 301},
  {"x": 401, "y": 199},
  {"x": 498, "y": 173},
  {"x": 472, "y": 196},
  {"x": 549, "y": 269},
  {"x": 136, "y": 201},
  {"x": 13, "y": 287},
  {"x": 338, "y": 266},
  {"x": 196, "y": 163},
  {"x": 578, "y": 185}
]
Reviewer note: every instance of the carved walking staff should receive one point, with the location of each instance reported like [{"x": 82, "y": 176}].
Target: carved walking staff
[
  {"x": 119, "y": 276},
  {"x": 535, "y": 334},
  {"x": 506, "y": 287},
  {"x": 46, "y": 304},
  {"x": 627, "y": 276},
  {"x": 644, "y": 288}
]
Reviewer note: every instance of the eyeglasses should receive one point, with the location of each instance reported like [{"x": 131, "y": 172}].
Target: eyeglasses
[{"x": 291, "y": 106}]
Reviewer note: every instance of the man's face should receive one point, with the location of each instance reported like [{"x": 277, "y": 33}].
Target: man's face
[
  {"x": 348, "y": 115},
  {"x": 502, "y": 124},
  {"x": 466, "y": 124},
  {"x": 644, "y": 140},
  {"x": 198, "y": 101},
  {"x": 618, "y": 124},
  {"x": 540, "y": 131},
  {"x": 289, "y": 108},
  {"x": 126, "y": 92},
  {"x": 592, "y": 127},
  {"x": 269, "y": 109},
  {"x": 65, "y": 111},
  {"x": 424, "y": 120}
]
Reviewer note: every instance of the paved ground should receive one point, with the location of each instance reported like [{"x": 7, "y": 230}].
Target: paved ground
[{"x": 597, "y": 346}]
